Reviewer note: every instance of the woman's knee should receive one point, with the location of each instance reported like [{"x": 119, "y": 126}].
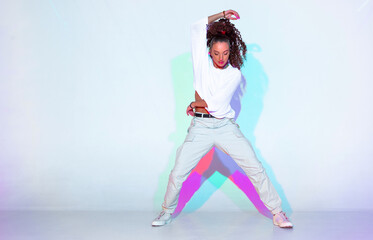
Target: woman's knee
[{"x": 178, "y": 176}]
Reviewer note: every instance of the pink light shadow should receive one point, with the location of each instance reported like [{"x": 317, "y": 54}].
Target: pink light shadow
[{"x": 194, "y": 182}]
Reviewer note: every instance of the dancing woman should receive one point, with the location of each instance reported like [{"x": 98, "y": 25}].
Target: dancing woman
[{"x": 216, "y": 77}]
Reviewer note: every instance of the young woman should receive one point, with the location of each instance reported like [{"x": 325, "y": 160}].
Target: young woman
[{"x": 216, "y": 77}]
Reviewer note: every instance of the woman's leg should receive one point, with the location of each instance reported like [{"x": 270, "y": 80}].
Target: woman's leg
[
  {"x": 231, "y": 140},
  {"x": 197, "y": 144}
]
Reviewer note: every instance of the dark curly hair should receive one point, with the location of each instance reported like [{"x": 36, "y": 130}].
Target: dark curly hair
[{"x": 225, "y": 31}]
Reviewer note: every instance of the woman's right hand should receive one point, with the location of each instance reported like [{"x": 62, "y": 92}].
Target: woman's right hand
[
  {"x": 232, "y": 15},
  {"x": 189, "y": 111}
]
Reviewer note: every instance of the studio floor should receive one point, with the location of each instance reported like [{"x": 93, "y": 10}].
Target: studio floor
[{"x": 80, "y": 225}]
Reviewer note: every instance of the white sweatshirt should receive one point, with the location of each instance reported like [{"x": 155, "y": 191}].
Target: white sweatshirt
[{"x": 215, "y": 86}]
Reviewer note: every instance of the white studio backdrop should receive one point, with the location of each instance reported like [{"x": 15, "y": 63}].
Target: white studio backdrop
[{"x": 87, "y": 101}]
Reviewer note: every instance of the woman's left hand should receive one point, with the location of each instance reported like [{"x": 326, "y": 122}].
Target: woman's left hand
[
  {"x": 189, "y": 111},
  {"x": 232, "y": 15}
]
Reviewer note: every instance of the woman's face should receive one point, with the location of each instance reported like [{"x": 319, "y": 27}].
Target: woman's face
[{"x": 219, "y": 53}]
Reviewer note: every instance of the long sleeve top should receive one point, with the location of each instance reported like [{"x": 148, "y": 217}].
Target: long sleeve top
[{"x": 215, "y": 86}]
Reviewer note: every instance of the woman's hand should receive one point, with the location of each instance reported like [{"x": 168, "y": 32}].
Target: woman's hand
[
  {"x": 189, "y": 111},
  {"x": 228, "y": 14},
  {"x": 232, "y": 15}
]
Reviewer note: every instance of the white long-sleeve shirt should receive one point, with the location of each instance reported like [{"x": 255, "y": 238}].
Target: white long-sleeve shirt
[{"x": 215, "y": 86}]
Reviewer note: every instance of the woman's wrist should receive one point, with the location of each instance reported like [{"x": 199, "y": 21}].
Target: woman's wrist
[
  {"x": 190, "y": 105},
  {"x": 215, "y": 17}
]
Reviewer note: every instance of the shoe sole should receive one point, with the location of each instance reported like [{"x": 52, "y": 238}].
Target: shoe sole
[
  {"x": 160, "y": 225},
  {"x": 283, "y": 227}
]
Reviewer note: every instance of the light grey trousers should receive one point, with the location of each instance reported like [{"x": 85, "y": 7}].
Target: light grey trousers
[{"x": 203, "y": 134}]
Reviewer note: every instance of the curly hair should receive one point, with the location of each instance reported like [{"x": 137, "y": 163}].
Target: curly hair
[{"x": 225, "y": 31}]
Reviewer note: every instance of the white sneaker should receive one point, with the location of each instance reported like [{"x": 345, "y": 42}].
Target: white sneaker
[
  {"x": 163, "y": 219},
  {"x": 281, "y": 220}
]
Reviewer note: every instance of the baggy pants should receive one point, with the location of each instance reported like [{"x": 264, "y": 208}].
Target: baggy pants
[{"x": 203, "y": 134}]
